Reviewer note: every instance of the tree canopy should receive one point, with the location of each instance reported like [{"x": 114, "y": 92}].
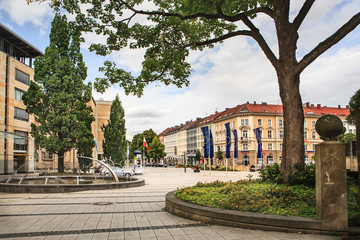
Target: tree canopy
[
  {"x": 138, "y": 140},
  {"x": 156, "y": 149},
  {"x": 176, "y": 27},
  {"x": 57, "y": 97}
]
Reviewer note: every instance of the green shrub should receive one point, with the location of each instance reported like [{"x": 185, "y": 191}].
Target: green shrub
[{"x": 272, "y": 173}]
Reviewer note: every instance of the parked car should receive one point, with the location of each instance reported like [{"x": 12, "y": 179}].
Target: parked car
[
  {"x": 120, "y": 172},
  {"x": 253, "y": 168}
]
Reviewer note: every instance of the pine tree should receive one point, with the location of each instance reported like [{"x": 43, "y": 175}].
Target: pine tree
[
  {"x": 114, "y": 143},
  {"x": 57, "y": 96}
]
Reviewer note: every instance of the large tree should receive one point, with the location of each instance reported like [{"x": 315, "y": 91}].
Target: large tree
[
  {"x": 180, "y": 26},
  {"x": 114, "y": 143},
  {"x": 57, "y": 97}
]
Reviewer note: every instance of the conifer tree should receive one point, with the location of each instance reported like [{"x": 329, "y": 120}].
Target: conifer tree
[
  {"x": 114, "y": 143},
  {"x": 57, "y": 97}
]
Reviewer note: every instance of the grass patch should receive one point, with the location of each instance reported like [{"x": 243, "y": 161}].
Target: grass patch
[{"x": 263, "y": 197}]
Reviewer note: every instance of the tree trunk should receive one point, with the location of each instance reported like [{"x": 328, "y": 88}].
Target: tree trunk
[
  {"x": 293, "y": 143},
  {"x": 60, "y": 162}
]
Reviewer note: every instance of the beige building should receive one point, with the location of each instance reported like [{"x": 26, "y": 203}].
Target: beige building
[
  {"x": 269, "y": 119},
  {"x": 16, "y": 145}
]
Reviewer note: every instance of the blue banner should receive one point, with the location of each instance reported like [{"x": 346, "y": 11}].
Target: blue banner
[
  {"x": 236, "y": 153},
  {"x": 228, "y": 140},
  {"x": 258, "y": 138},
  {"x": 211, "y": 145},
  {"x": 205, "y": 131}
]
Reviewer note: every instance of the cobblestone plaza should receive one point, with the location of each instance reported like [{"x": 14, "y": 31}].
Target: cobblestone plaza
[{"x": 132, "y": 213}]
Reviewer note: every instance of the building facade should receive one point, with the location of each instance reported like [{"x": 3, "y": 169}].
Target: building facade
[
  {"x": 268, "y": 118},
  {"x": 17, "y": 149}
]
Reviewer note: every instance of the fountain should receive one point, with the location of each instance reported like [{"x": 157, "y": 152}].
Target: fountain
[{"x": 59, "y": 184}]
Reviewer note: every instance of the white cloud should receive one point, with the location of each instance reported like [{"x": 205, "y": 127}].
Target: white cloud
[{"x": 20, "y": 12}]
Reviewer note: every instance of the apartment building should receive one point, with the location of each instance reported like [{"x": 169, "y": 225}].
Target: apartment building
[
  {"x": 16, "y": 145},
  {"x": 268, "y": 118}
]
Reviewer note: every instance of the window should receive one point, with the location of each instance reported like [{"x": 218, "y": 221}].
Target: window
[
  {"x": 313, "y": 147},
  {"x": 280, "y": 122},
  {"x": 244, "y": 122},
  {"x": 18, "y": 94},
  {"x": 313, "y": 124},
  {"x": 235, "y": 161},
  {"x": 22, "y": 77},
  {"x": 244, "y": 133},
  {"x": 259, "y": 122},
  {"x": 245, "y": 160},
  {"x": 270, "y": 160},
  {"x": 21, "y": 114},
  {"x": 269, "y": 134},
  {"x": 20, "y": 140},
  {"x": 281, "y": 134},
  {"x": 306, "y": 147},
  {"x": 233, "y": 124},
  {"x": 269, "y": 122},
  {"x": 305, "y": 134},
  {"x": 280, "y": 146},
  {"x": 270, "y": 146},
  {"x": 305, "y": 124},
  {"x": 245, "y": 147},
  {"x": 280, "y": 160},
  {"x": 47, "y": 156},
  {"x": 313, "y": 135}
]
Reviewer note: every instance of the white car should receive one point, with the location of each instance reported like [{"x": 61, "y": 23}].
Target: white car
[{"x": 120, "y": 172}]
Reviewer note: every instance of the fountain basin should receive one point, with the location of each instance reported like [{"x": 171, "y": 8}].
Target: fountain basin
[{"x": 62, "y": 184}]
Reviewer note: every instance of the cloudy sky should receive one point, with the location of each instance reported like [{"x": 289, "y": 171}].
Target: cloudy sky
[{"x": 230, "y": 74}]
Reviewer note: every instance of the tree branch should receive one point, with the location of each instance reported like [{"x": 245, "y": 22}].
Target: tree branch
[
  {"x": 329, "y": 42},
  {"x": 221, "y": 38},
  {"x": 302, "y": 13},
  {"x": 255, "y": 33}
]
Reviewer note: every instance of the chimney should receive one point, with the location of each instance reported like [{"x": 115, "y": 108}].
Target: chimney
[
  {"x": 318, "y": 106},
  {"x": 264, "y": 104},
  {"x": 312, "y": 105},
  {"x": 307, "y": 104},
  {"x": 254, "y": 103},
  {"x": 347, "y": 107},
  {"x": 247, "y": 102},
  {"x": 339, "y": 106}
]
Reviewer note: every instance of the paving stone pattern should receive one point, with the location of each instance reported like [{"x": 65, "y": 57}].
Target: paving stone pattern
[{"x": 131, "y": 213}]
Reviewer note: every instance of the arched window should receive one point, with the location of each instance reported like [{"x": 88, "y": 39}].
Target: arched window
[
  {"x": 245, "y": 160},
  {"x": 270, "y": 160}
]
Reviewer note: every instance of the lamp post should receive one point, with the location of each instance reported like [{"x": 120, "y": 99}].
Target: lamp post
[{"x": 184, "y": 163}]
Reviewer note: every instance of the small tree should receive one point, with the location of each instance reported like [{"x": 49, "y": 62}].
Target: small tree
[
  {"x": 57, "y": 97},
  {"x": 354, "y": 118},
  {"x": 219, "y": 154},
  {"x": 114, "y": 142},
  {"x": 138, "y": 139},
  {"x": 156, "y": 149},
  {"x": 198, "y": 156}
]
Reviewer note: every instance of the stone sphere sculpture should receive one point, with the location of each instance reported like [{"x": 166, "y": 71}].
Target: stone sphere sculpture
[{"x": 329, "y": 126}]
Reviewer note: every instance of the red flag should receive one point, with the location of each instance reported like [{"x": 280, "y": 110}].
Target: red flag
[{"x": 145, "y": 145}]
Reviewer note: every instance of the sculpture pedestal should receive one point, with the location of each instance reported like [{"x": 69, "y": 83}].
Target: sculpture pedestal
[{"x": 331, "y": 187}]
